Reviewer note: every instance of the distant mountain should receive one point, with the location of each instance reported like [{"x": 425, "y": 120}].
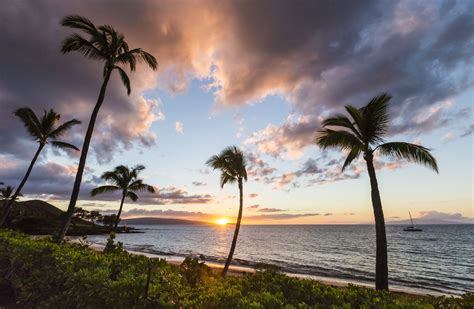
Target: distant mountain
[{"x": 160, "y": 221}]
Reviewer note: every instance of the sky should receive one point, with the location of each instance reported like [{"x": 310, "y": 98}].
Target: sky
[{"x": 258, "y": 75}]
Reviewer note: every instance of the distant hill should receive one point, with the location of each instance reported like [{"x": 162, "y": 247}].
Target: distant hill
[
  {"x": 40, "y": 217},
  {"x": 160, "y": 221}
]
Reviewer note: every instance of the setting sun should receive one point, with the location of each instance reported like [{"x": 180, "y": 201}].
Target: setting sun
[{"x": 222, "y": 221}]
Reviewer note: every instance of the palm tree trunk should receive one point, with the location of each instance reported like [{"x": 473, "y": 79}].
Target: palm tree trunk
[
  {"x": 8, "y": 207},
  {"x": 381, "y": 263},
  {"x": 236, "y": 232},
  {"x": 120, "y": 211},
  {"x": 82, "y": 160}
]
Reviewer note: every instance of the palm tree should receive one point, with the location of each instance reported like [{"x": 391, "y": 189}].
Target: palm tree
[
  {"x": 105, "y": 44},
  {"x": 6, "y": 193},
  {"x": 123, "y": 179},
  {"x": 232, "y": 164},
  {"x": 363, "y": 132},
  {"x": 43, "y": 130}
]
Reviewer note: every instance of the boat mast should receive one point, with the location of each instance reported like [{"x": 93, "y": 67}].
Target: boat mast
[{"x": 411, "y": 219}]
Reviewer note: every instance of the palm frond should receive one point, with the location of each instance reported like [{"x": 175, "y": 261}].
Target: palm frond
[
  {"x": 79, "y": 22},
  {"x": 63, "y": 145},
  {"x": 132, "y": 196},
  {"x": 111, "y": 176},
  {"x": 75, "y": 42},
  {"x": 60, "y": 130},
  {"x": 376, "y": 119},
  {"x": 353, "y": 154},
  {"x": 139, "y": 186},
  {"x": 410, "y": 152},
  {"x": 48, "y": 121},
  {"x": 129, "y": 58},
  {"x": 356, "y": 116},
  {"x": 104, "y": 189},
  {"x": 30, "y": 121},
  {"x": 125, "y": 80},
  {"x": 344, "y": 122},
  {"x": 327, "y": 138},
  {"x": 226, "y": 178},
  {"x": 149, "y": 59}
]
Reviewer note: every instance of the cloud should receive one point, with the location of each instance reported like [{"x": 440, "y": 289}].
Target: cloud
[
  {"x": 257, "y": 167},
  {"x": 253, "y": 195},
  {"x": 53, "y": 181},
  {"x": 327, "y": 214},
  {"x": 48, "y": 180},
  {"x": 291, "y": 138},
  {"x": 167, "y": 196},
  {"x": 179, "y": 127},
  {"x": 199, "y": 183},
  {"x": 270, "y": 210},
  {"x": 179, "y": 214},
  {"x": 252, "y": 207},
  {"x": 436, "y": 217},
  {"x": 468, "y": 131},
  {"x": 280, "y": 216},
  {"x": 316, "y": 55}
]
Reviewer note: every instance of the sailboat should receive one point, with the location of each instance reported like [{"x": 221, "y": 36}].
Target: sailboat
[{"x": 412, "y": 227}]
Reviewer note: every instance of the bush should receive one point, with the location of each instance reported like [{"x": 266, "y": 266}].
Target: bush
[{"x": 43, "y": 274}]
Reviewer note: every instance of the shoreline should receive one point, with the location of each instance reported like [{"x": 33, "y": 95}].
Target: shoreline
[{"x": 237, "y": 270}]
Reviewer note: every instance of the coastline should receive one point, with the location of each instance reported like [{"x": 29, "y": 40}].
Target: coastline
[{"x": 237, "y": 270}]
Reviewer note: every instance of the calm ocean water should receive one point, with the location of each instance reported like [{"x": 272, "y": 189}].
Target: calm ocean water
[{"x": 441, "y": 258}]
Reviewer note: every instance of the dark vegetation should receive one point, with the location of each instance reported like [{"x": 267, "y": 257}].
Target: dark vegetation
[
  {"x": 40, "y": 273},
  {"x": 37, "y": 217}
]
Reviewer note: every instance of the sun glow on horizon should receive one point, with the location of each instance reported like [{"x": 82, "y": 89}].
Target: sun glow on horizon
[{"x": 222, "y": 221}]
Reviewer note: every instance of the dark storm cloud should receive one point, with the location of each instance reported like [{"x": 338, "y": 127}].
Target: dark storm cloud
[{"x": 48, "y": 179}]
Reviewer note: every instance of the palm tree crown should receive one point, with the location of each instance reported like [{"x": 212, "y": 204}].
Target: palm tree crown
[
  {"x": 364, "y": 132},
  {"x": 232, "y": 164},
  {"x": 124, "y": 179},
  {"x": 46, "y": 129},
  {"x": 7, "y": 192},
  {"x": 104, "y": 43}
]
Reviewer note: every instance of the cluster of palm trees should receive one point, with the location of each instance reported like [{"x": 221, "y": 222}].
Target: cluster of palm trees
[{"x": 361, "y": 132}]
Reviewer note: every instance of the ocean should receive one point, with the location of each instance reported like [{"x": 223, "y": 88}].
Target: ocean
[{"x": 438, "y": 259}]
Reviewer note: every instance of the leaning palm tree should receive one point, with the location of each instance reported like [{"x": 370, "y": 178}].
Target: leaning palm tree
[
  {"x": 232, "y": 164},
  {"x": 105, "y": 44},
  {"x": 125, "y": 180},
  {"x": 43, "y": 130},
  {"x": 7, "y": 192},
  {"x": 363, "y": 132}
]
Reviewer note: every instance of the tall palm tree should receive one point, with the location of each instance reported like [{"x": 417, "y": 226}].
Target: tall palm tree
[
  {"x": 105, "y": 44},
  {"x": 123, "y": 179},
  {"x": 232, "y": 164},
  {"x": 6, "y": 193},
  {"x": 43, "y": 130},
  {"x": 363, "y": 132}
]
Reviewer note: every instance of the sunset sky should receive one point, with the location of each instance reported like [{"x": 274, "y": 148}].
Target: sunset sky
[{"x": 257, "y": 74}]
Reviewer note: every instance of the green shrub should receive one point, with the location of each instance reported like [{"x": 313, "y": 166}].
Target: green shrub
[{"x": 44, "y": 275}]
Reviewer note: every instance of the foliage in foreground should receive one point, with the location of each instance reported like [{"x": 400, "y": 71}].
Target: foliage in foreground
[{"x": 43, "y": 274}]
